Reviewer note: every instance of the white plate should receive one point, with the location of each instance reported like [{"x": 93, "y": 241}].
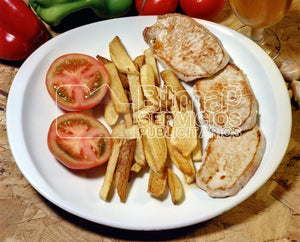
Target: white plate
[{"x": 30, "y": 110}]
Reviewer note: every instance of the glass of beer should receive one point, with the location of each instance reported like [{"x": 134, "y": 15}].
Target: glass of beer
[{"x": 258, "y": 15}]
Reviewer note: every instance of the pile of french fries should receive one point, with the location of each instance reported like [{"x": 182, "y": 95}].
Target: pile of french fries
[{"x": 153, "y": 126}]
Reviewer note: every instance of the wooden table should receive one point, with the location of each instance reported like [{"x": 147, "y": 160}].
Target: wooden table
[{"x": 271, "y": 214}]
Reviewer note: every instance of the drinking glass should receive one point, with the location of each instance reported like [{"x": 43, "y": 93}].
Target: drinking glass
[{"x": 258, "y": 15}]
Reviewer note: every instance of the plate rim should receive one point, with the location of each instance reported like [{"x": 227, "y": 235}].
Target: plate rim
[{"x": 12, "y": 121}]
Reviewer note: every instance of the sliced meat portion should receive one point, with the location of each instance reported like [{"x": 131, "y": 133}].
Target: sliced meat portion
[
  {"x": 183, "y": 45},
  {"x": 229, "y": 162},
  {"x": 227, "y": 102}
]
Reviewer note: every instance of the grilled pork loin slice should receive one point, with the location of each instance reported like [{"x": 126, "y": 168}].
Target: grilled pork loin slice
[
  {"x": 229, "y": 162},
  {"x": 227, "y": 103},
  {"x": 183, "y": 45}
]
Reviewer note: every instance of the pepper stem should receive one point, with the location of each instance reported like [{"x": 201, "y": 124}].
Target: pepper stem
[{"x": 144, "y": 2}]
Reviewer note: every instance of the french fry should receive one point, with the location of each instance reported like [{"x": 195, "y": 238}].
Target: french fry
[
  {"x": 165, "y": 102},
  {"x": 189, "y": 179},
  {"x": 110, "y": 115},
  {"x": 155, "y": 146},
  {"x": 197, "y": 152},
  {"x": 139, "y": 155},
  {"x": 124, "y": 80},
  {"x": 139, "y": 61},
  {"x": 183, "y": 163},
  {"x": 118, "y": 132},
  {"x": 128, "y": 119},
  {"x": 175, "y": 86},
  {"x": 148, "y": 84},
  {"x": 174, "y": 107},
  {"x": 110, "y": 170},
  {"x": 175, "y": 187},
  {"x": 144, "y": 113},
  {"x": 123, "y": 168},
  {"x": 184, "y": 132},
  {"x": 168, "y": 130},
  {"x": 120, "y": 57},
  {"x": 103, "y": 60},
  {"x": 189, "y": 106},
  {"x": 136, "y": 167},
  {"x": 150, "y": 59},
  {"x": 117, "y": 91},
  {"x": 157, "y": 184},
  {"x": 136, "y": 92},
  {"x": 148, "y": 155},
  {"x": 151, "y": 153},
  {"x": 160, "y": 119},
  {"x": 132, "y": 132}
]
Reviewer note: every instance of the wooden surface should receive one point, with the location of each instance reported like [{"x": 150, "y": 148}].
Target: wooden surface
[{"x": 271, "y": 214}]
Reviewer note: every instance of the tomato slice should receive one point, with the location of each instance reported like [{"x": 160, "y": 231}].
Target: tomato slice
[
  {"x": 77, "y": 82},
  {"x": 79, "y": 141}
]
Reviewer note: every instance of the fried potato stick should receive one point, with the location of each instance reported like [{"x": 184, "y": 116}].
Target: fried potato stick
[
  {"x": 175, "y": 187},
  {"x": 117, "y": 133},
  {"x": 117, "y": 92},
  {"x": 124, "y": 164},
  {"x": 157, "y": 184},
  {"x": 120, "y": 57}
]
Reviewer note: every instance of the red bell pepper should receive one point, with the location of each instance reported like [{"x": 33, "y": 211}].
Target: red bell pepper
[{"x": 21, "y": 32}]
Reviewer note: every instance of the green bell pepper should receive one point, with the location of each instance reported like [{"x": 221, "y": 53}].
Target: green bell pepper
[{"x": 54, "y": 11}]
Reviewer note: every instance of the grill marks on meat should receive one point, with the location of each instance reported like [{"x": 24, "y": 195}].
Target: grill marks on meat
[
  {"x": 229, "y": 162},
  {"x": 185, "y": 46},
  {"x": 227, "y": 101},
  {"x": 234, "y": 153}
]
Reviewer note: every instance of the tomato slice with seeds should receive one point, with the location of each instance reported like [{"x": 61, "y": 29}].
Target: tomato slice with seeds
[
  {"x": 77, "y": 82},
  {"x": 79, "y": 141}
]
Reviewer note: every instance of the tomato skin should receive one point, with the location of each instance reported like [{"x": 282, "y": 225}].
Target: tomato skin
[
  {"x": 205, "y": 9},
  {"x": 156, "y": 7},
  {"x": 69, "y": 134},
  {"x": 77, "y": 82},
  {"x": 21, "y": 32}
]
